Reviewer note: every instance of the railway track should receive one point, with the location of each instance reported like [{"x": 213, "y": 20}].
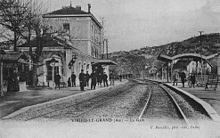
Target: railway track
[
  {"x": 160, "y": 93},
  {"x": 152, "y": 101},
  {"x": 84, "y": 105}
]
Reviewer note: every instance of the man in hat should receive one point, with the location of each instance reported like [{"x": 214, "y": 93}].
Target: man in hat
[
  {"x": 93, "y": 80},
  {"x": 87, "y": 78},
  {"x": 73, "y": 79},
  {"x": 82, "y": 80},
  {"x": 105, "y": 79},
  {"x": 57, "y": 80}
]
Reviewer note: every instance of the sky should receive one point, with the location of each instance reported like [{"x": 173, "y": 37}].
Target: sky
[{"x": 132, "y": 24}]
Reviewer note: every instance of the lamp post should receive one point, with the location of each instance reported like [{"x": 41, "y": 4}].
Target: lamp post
[
  {"x": 1, "y": 73},
  {"x": 53, "y": 62},
  {"x": 72, "y": 61}
]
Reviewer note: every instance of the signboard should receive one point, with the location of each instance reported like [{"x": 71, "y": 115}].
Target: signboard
[
  {"x": 55, "y": 64},
  {"x": 153, "y": 70}
]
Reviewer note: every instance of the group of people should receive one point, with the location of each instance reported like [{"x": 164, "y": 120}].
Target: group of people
[
  {"x": 182, "y": 75},
  {"x": 96, "y": 79},
  {"x": 85, "y": 77}
]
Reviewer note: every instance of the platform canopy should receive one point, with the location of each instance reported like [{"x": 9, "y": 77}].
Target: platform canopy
[
  {"x": 191, "y": 56},
  {"x": 13, "y": 57},
  {"x": 104, "y": 62},
  {"x": 187, "y": 57}
]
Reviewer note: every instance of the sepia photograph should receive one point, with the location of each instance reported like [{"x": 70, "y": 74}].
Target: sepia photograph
[{"x": 109, "y": 69}]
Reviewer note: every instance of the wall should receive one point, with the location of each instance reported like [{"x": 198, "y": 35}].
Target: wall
[
  {"x": 79, "y": 30},
  {"x": 96, "y": 39},
  {"x": 84, "y": 33}
]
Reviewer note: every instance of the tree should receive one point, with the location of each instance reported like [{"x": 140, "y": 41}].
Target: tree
[
  {"x": 130, "y": 63},
  {"x": 23, "y": 19},
  {"x": 34, "y": 26},
  {"x": 12, "y": 17}
]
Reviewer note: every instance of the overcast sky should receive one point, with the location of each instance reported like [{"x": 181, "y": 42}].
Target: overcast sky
[{"x": 131, "y": 24}]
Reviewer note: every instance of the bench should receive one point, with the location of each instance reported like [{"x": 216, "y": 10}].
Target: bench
[
  {"x": 201, "y": 80},
  {"x": 212, "y": 80},
  {"x": 51, "y": 84},
  {"x": 63, "y": 84}
]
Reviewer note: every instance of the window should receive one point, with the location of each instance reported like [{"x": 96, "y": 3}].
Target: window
[
  {"x": 66, "y": 27},
  {"x": 49, "y": 70}
]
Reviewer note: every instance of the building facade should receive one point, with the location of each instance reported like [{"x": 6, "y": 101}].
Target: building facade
[
  {"x": 76, "y": 45},
  {"x": 81, "y": 28}
]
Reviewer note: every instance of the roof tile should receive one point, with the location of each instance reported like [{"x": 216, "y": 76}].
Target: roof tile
[{"x": 67, "y": 11}]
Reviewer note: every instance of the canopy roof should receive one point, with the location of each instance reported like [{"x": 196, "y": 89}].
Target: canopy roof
[
  {"x": 11, "y": 57},
  {"x": 50, "y": 41},
  {"x": 104, "y": 62},
  {"x": 195, "y": 56},
  {"x": 188, "y": 56}
]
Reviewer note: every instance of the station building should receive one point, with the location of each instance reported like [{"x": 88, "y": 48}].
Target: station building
[{"x": 77, "y": 44}]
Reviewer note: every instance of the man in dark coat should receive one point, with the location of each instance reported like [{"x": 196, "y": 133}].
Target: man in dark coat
[
  {"x": 183, "y": 78},
  {"x": 82, "y": 80},
  {"x": 105, "y": 79},
  {"x": 57, "y": 81},
  {"x": 99, "y": 79},
  {"x": 93, "y": 77},
  {"x": 112, "y": 79},
  {"x": 87, "y": 78},
  {"x": 193, "y": 79},
  {"x": 73, "y": 79}
]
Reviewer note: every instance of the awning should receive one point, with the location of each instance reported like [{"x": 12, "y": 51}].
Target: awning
[
  {"x": 12, "y": 57},
  {"x": 104, "y": 62},
  {"x": 164, "y": 58}
]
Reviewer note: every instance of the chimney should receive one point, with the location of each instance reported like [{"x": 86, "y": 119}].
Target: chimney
[
  {"x": 89, "y": 7},
  {"x": 78, "y": 7}
]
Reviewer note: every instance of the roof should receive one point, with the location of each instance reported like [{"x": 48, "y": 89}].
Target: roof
[
  {"x": 187, "y": 55},
  {"x": 164, "y": 58},
  {"x": 212, "y": 56},
  {"x": 68, "y": 10},
  {"x": 71, "y": 12},
  {"x": 12, "y": 57},
  {"x": 50, "y": 41},
  {"x": 104, "y": 62}
]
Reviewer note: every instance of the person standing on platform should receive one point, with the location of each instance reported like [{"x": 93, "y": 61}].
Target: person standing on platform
[
  {"x": 99, "y": 79},
  {"x": 112, "y": 79},
  {"x": 105, "y": 79},
  {"x": 73, "y": 79},
  {"x": 183, "y": 78},
  {"x": 57, "y": 81},
  {"x": 87, "y": 78},
  {"x": 193, "y": 80},
  {"x": 82, "y": 80},
  {"x": 93, "y": 77},
  {"x": 175, "y": 79},
  {"x": 120, "y": 77},
  {"x": 69, "y": 82}
]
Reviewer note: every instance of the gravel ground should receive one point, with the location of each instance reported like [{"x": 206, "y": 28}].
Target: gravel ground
[
  {"x": 121, "y": 104},
  {"x": 124, "y": 106},
  {"x": 73, "y": 103},
  {"x": 160, "y": 106}
]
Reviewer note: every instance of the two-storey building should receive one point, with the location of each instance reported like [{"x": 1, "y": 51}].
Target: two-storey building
[{"x": 79, "y": 38}]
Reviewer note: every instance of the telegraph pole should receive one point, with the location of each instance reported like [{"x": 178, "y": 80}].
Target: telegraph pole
[
  {"x": 200, "y": 34},
  {"x": 102, "y": 38},
  {"x": 200, "y": 41},
  {"x": 107, "y": 48}
]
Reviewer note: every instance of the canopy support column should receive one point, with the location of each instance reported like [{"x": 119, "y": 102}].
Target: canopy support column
[{"x": 1, "y": 79}]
